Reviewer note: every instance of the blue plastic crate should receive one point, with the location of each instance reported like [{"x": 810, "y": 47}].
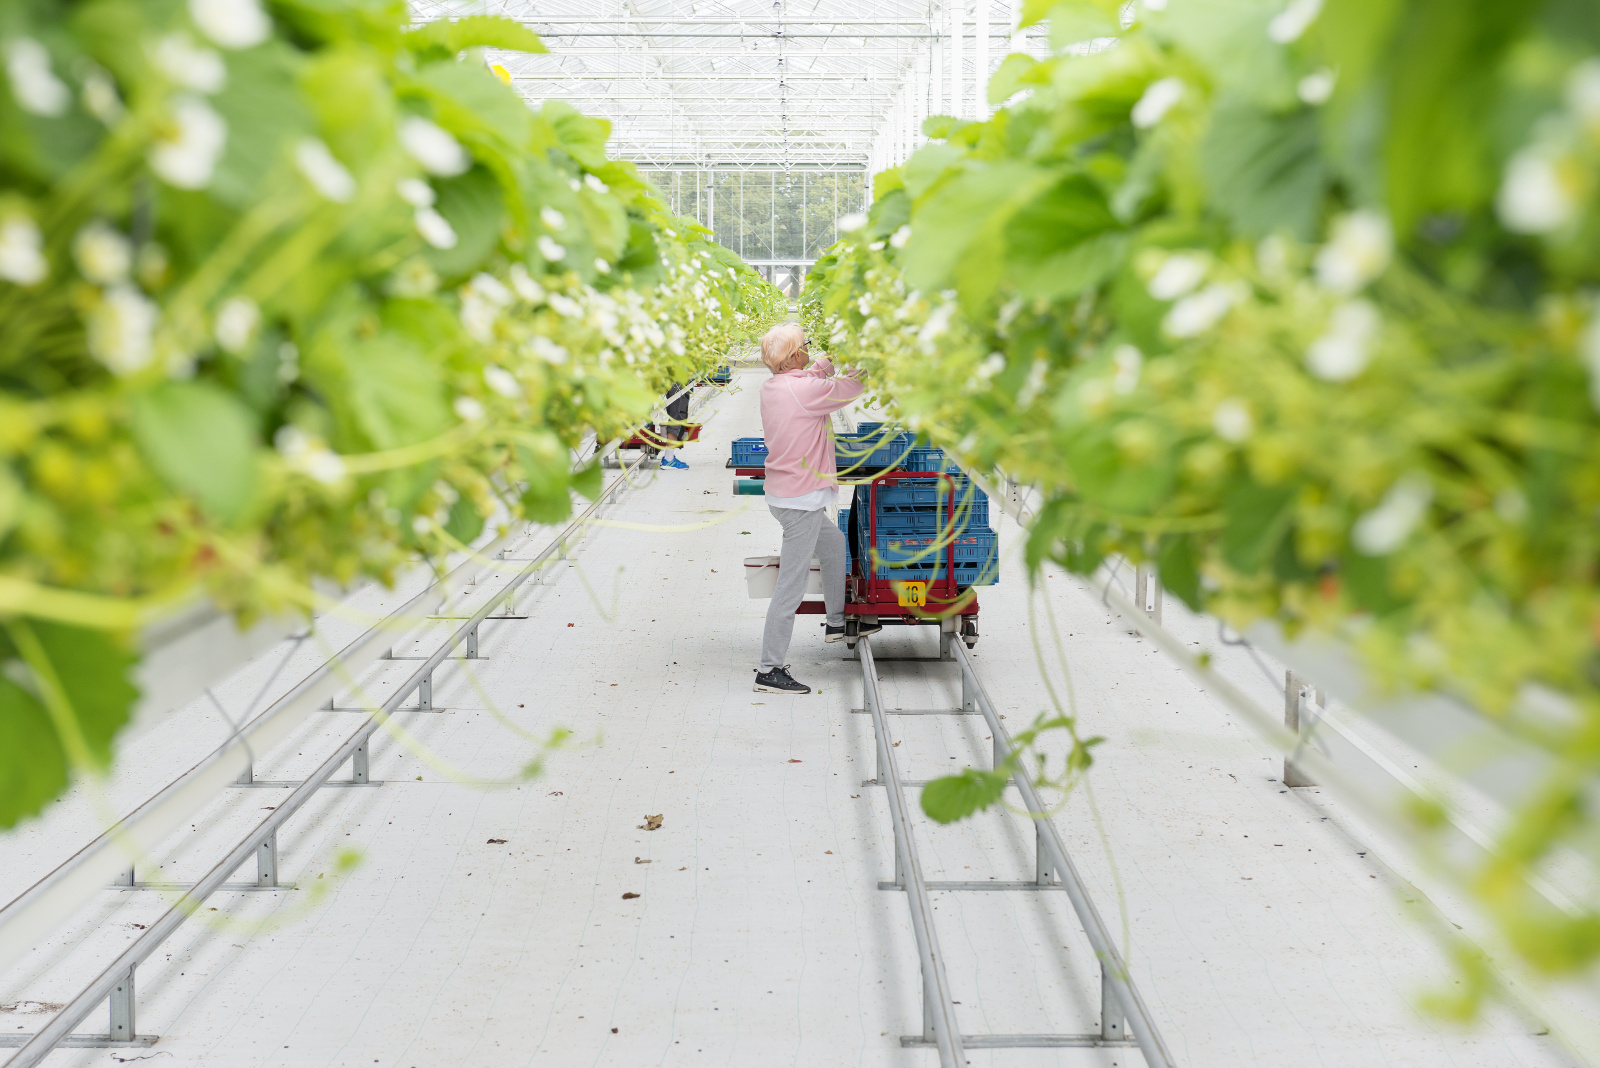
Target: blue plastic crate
[
  {"x": 977, "y": 557},
  {"x": 928, "y": 458},
  {"x": 844, "y": 528},
  {"x": 721, "y": 376},
  {"x": 850, "y": 450},
  {"x": 929, "y": 491},
  {"x": 907, "y": 519},
  {"x": 868, "y": 428},
  {"x": 749, "y": 452}
]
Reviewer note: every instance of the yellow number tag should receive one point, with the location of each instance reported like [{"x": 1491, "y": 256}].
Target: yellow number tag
[{"x": 911, "y": 594}]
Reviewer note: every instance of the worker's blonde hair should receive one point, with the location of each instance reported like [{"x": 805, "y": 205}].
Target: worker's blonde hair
[{"x": 781, "y": 342}]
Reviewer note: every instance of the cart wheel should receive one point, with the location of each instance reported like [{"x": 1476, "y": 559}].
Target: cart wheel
[
  {"x": 851, "y": 632},
  {"x": 969, "y": 631}
]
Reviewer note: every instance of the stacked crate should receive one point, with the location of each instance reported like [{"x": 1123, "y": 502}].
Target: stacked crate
[
  {"x": 915, "y": 516},
  {"x": 869, "y": 451}
]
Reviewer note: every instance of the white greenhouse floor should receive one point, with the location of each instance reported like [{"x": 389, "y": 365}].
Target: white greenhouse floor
[{"x": 1259, "y": 930}]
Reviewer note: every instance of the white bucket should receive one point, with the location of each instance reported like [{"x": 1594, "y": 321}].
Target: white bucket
[{"x": 761, "y": 577}]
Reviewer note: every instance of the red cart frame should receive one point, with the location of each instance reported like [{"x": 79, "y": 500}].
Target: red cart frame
[{"x": 867, "y": 595}]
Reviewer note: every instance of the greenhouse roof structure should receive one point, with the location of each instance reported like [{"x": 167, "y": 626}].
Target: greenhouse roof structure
[{"x": 747, "y": 84}]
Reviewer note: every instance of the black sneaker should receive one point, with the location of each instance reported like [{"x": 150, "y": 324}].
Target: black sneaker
[
  {"x": 836, "y": 634},
  {"x": 778, "y": 680}
]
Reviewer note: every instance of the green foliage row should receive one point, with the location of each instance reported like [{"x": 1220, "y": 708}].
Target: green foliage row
[
  {"x": 293, "y": 290},
  {"x": 1298, "y": 302}
]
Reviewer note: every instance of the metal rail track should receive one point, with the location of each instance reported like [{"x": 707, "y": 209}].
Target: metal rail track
[
  {"x": 59, "y": 893},
  {"x": 1125, "y": 1020}
]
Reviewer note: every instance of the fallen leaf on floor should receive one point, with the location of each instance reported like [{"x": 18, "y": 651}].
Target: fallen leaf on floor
[
  {"x": 555, "y": 793},
  {"x": 896, "y": 743},
  {"x": 828, "y": 851},
  {"x": 796, "y": 761},
  {"x": 497, "y": 841},
  {"x": 651, "y": 823},
  {"x": 744, "y": 532},
  {"x": 629, "y": 896},
  {"x": 713, "y": 571},
  {"x": 683, "y": 869},
  {"x": 641, "y": 860},
  {"x": 572, "y": 624},
  {"x": 855, "y": 795},
  {"x": 613, "y": 1030}
]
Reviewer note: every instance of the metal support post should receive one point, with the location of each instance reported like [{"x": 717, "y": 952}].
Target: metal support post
[
  {"x": 927, "y": 1009},
  {"x": 267, "y": 861},
  {"x": 124, "y": 877},
  {"x": 248, "y": 775},
  {"x": 358, "y": 762},
  {"x": 1112, "y": 1025},
  {"x": 877, "y": 777},
  {"x": 1043, "y": 870},
  {"x": 122, "y": 1009},
  {"x": 472, "y": 643},
  {"x": 1141, "y": 583},
  {"x": 947, "y": 633},
  {"x": 1155, "y": 595},
  {"x": 425, "y": 694},
  {"x": 1293, "y": 693}
]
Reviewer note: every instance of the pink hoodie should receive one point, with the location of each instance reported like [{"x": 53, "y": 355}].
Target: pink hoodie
[{"x": 794, "y": 417}]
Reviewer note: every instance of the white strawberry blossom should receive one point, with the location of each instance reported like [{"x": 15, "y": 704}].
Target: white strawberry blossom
[
  {"x": 324, "y": 171},
  {"x": 34, "y": 84},
  {"x": 1158, "y": 99},
  {"x": 502, "y": 381},
  {"x": 1232, "y": 421},
  {"x": 435, "y": 228},
  {"x": 100, "y": 97},
  {"x": 1194, "y": 315},
  {"x": 1360, "y": 249},
  {"x": 189, "y": 64},
  {"x": 231, "y": 23},
  {"x": 524, "y": 285},
  {"x": 103, "y": 255},
  {"x": 434, "y": 147},
  {"x": 187, "y": 155},
  {"x": 309, "y": 455},
  {"x": 236, "y": 323},
  {"x": 22, "y": 259},
  {"x": 1539, "y": 192},
  {"x": 1342, "y": 353},
  {"x": 1178, "y": 275},
  {"x": 1385, "y": 528},
  {"x": 1293, "y": 21},
  {"x": 416, "y": 192},
  {"x": 121, "y": 330}
]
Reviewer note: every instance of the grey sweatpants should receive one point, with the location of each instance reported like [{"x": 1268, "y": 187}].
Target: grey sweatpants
[{"x": 805, "y": 534}]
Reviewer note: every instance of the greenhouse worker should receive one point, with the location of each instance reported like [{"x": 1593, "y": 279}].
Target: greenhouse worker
[
  {"x": 801, "y": 481},
  {"x": 678, "y": 413}
]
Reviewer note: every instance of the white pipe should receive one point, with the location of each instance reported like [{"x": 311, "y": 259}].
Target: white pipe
[
  {"x": 980, "y": 56},
  {"x": 957, "y": 16}
]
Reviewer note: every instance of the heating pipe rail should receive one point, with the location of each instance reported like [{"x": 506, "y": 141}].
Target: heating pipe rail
[
  {"x": 100, "y": 859},
  {"x": 1121, "y": 1007},
  {"x": 1116, "y": 983},
  {"x": 938, "y": 1006}
]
